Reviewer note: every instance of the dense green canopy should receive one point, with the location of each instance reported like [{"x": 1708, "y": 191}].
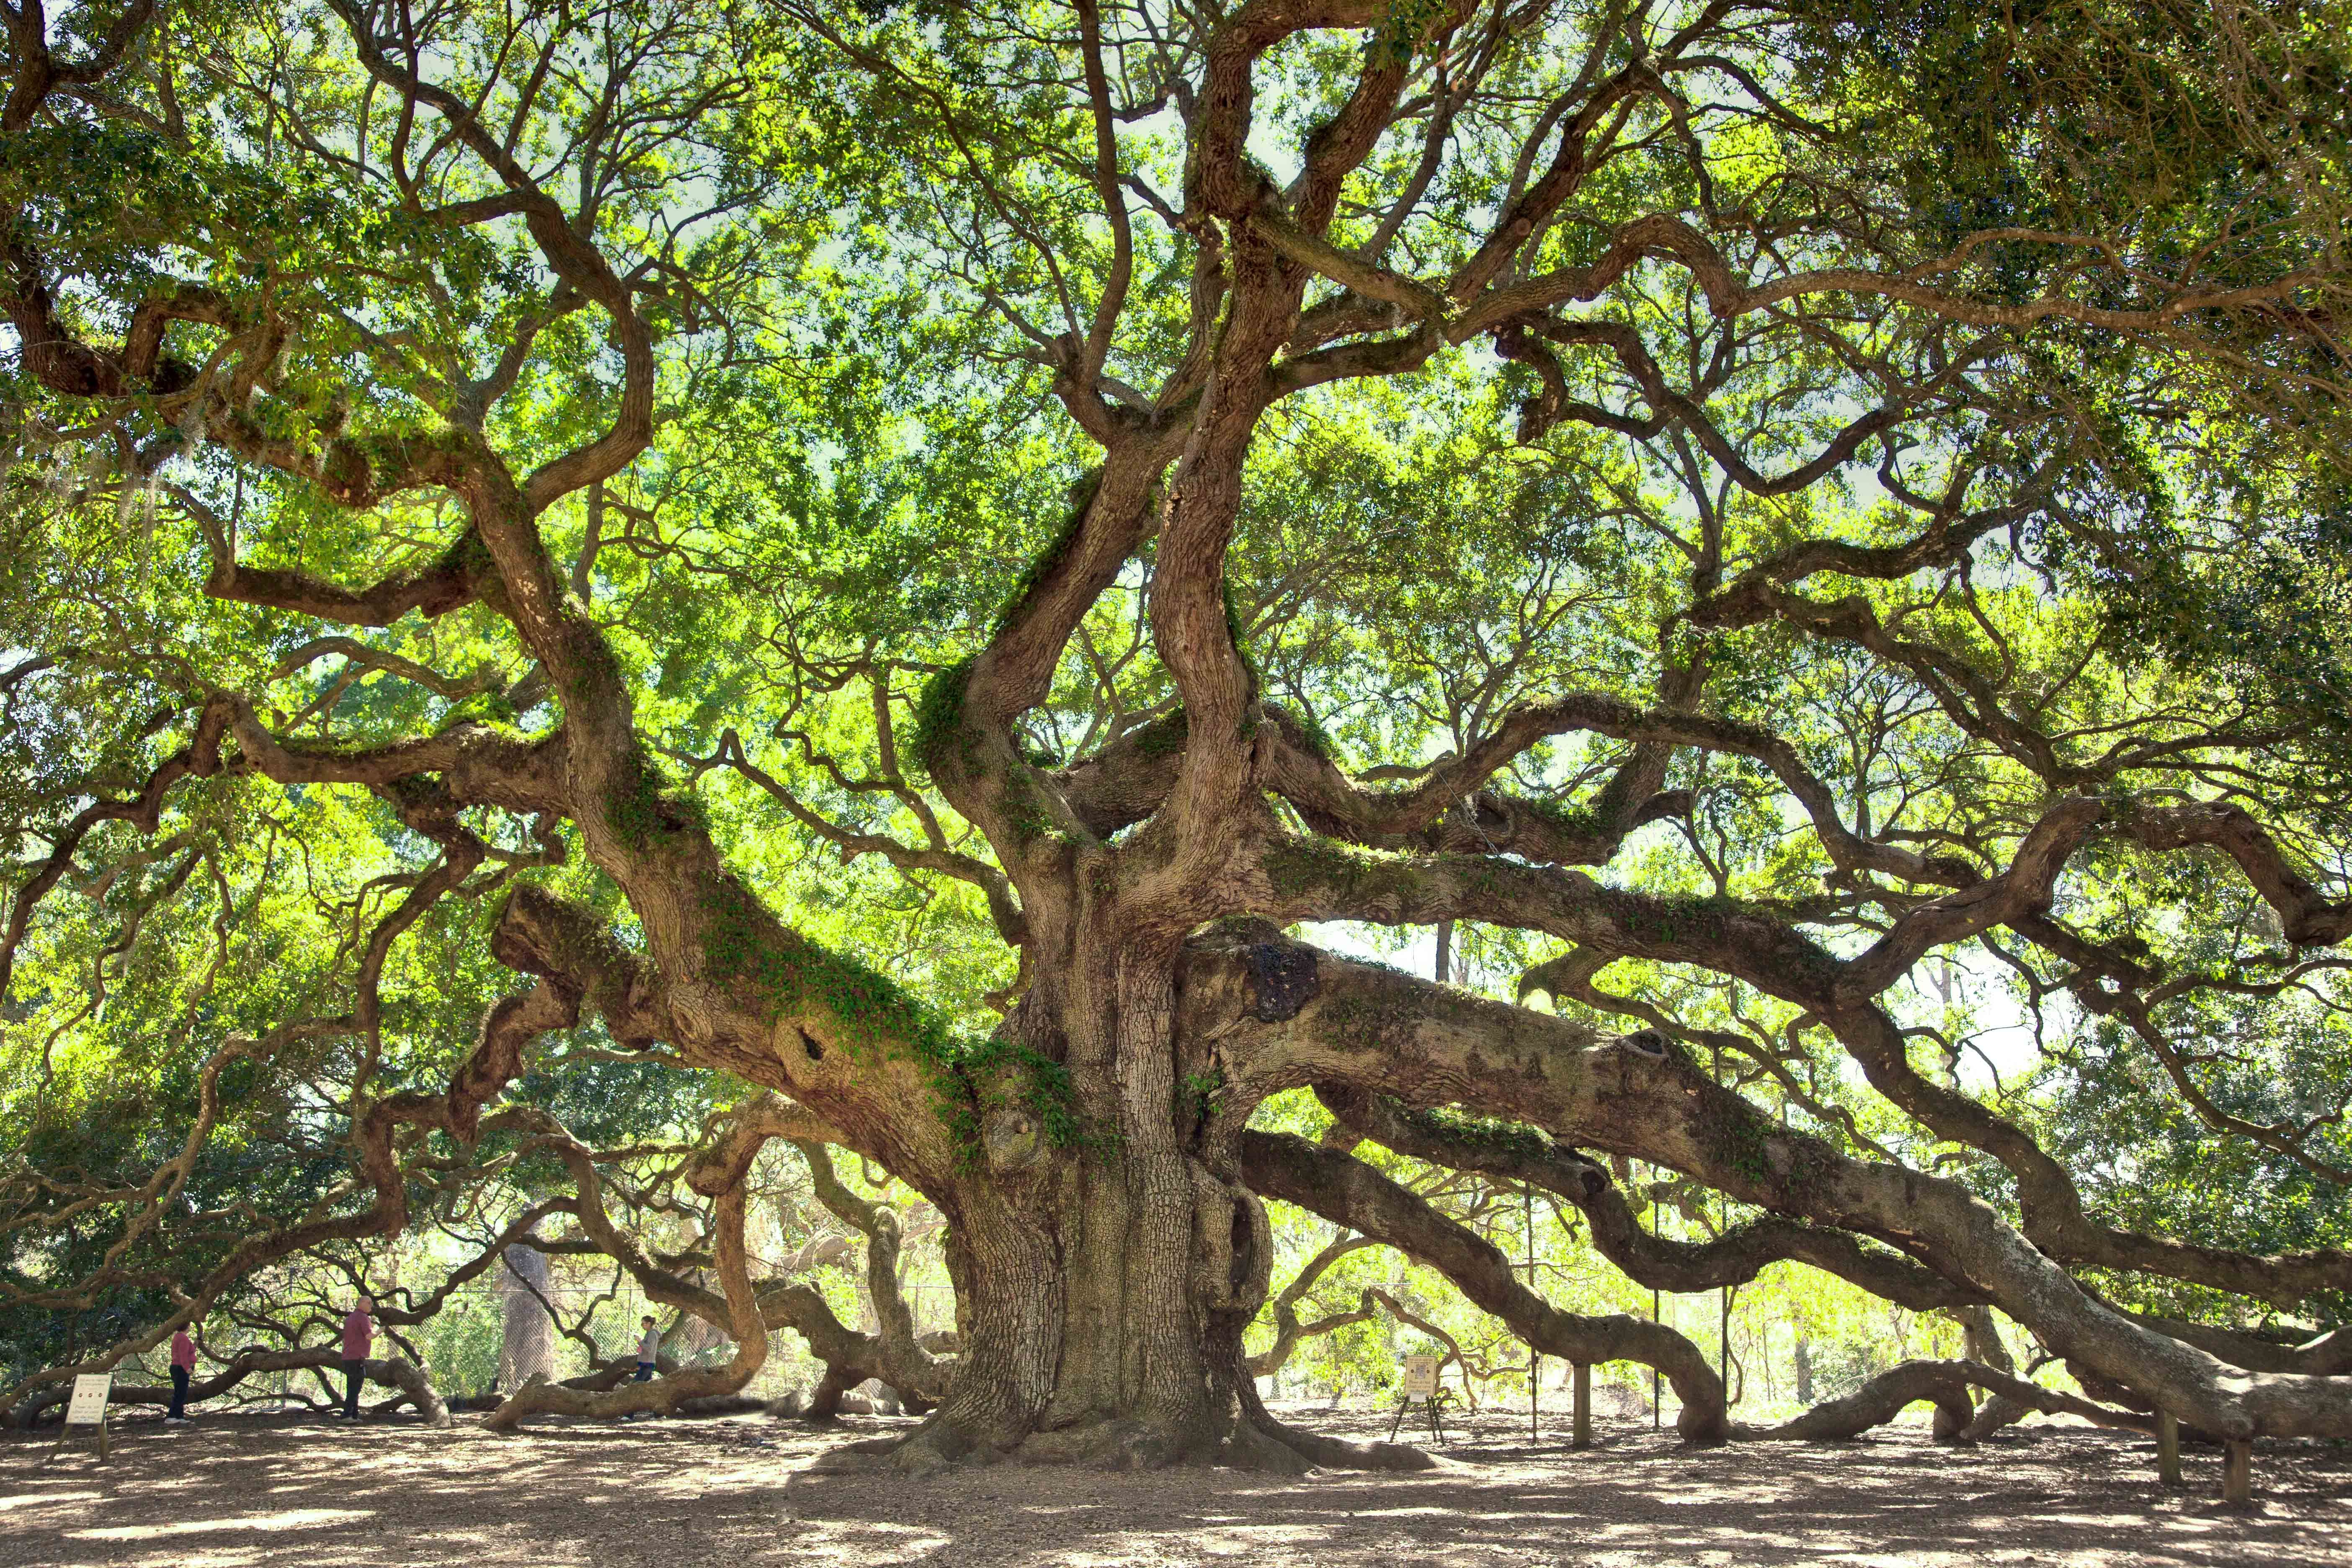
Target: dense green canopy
[{"x": 834, "y": 556}]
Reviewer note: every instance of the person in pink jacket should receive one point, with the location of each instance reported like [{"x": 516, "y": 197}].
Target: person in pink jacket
[
  {"x": 359, "y": 1335},
  {"x": 184, "y": 1367}
]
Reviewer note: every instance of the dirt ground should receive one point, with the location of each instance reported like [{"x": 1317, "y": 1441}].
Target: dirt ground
[{"x": 254, "y": 1491}]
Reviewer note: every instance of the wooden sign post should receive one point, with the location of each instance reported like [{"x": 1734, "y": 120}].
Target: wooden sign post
[
  {"x": 88, "y": 1408},
  {"x": 1420, "y": 1382}
]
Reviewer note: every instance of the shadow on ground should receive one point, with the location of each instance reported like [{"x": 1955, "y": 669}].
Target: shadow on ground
[{"x": 243, "y": 1491}]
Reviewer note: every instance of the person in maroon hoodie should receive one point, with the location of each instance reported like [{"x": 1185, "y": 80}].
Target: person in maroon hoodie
[
  {"x": 359, "y": 1335},
  {"x": 183, "y": 1366}
]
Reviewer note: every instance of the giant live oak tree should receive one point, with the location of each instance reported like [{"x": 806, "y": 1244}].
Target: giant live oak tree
[{"x": 1727, "y": 508}]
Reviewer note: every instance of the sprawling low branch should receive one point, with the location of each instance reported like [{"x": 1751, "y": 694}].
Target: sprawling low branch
[
  {"x": 1735, "y": 1258},
  {"x": 393, "y": 1372},
  {"x": 1348, "y": 1191},
  {"x": 507, "y": 1029},
  {"x": 740, "y": 1317},
  {"x": 1945, "y": 1384},
  {"x": 1277, "y": 1015},
  {"x": 895, "y": 1354},
  {"x": 1312, "y": 881}
]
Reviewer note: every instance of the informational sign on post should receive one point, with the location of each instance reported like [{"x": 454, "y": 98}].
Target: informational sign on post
[
  {"x": 88, "y": 1405},
  {"x": 1420, "y": 1382}
]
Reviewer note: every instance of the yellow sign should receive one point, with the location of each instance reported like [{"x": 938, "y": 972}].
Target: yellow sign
[{"x": 1420, "y": 1376}]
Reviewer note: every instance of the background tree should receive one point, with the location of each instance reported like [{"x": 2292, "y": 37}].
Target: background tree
[{"x": 527, "y": 1337}]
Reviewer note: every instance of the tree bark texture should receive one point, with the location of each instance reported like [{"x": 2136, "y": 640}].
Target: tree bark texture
[{"x": 526, "y": 1332}]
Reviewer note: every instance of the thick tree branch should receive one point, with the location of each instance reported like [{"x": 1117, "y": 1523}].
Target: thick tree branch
[
  {"x": 1945, "y": 1383},
  {"x": 1277, "y": 1015},
  {"x": 1348, "y": 1191},
  {"x": 1521, "y": 1153}
]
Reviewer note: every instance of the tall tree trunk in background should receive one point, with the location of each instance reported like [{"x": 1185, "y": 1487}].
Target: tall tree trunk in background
[
  {"x": 527, "y": 1346},
  {"x": 1804, "y": 1370}
]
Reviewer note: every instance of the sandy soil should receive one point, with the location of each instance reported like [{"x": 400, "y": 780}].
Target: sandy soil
[{"x": 241, "y": 1491}]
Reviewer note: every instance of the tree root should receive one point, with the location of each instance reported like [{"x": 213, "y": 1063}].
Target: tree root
[
  {"x": 1125, "y": 1443},
  {"x": 1340, "y": 1454},
  {"x": 1257, "y": 1443},
  {"x": 933, "y": 1446}
]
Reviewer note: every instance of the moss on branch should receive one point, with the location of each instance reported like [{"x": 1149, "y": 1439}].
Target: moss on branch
[
  {"x": 1302, "y": 867},
  {"x": 875, "y": 1019},
  {"x": 865, "y": 1010},
  {"x": 938, "y": 719},
  {"x": 1567, "y": 821},
  {"x": 993, "y": 1073},
  {"x": 1491, "y": 1133},
  {"x": 1027, "y": 810},
  {"x": 1163, "y": 737},
  {"x": 648, "y": 810},
  {"x": 1046, "y": 562}
]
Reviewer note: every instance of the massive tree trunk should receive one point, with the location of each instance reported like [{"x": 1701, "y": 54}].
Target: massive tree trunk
[
  {"x": 1105, "y": 1262},
  {"x": 1098, "y": 1318},
  {"x": 526, "y": 1343}
]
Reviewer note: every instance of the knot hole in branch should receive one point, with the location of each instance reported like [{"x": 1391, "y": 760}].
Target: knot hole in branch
[{"x": 1282, "y": 980}]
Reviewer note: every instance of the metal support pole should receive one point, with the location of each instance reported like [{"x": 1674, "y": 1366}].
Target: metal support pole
[
  {"x": 1722, "y": 1292},
  {"x": 1655, "y": 1316},
  {"x": 1581, "y": 1431},
  {"x": 1535, "y": 1358},
  {"x": 2167, "y": 1448},
  {"x": 1723, "y": 1339}
]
